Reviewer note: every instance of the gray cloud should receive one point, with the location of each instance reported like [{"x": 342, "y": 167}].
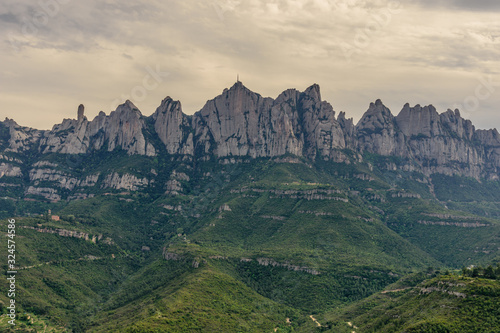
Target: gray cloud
[
  {"x": 94, "y": 52},
  {"x": 478, "y": 5},
  {"x": 9, "y": 18}
]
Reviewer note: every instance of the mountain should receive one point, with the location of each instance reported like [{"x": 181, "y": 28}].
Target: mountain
[
  {"x": 250, "y": 215},
  {"x": 430, "y": 302},
  {"x": 241, "y": 124}
]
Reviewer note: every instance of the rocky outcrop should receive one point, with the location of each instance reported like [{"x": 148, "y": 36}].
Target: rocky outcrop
[
  {"x": 9, "y": 170},
  {"x": 456, "y": 224},
  {"x": 122, "y": 129},
  {"x": 72, "y": 233},
  {"x": 419, "y": 121},
  {"x": 489, "y": 141},
  {"x": 242, "y": 123},
  {"x": 173, "y": 187},
  {"x": 89, "y": 181},
  {"x": 124, "y": 182},
  {"x": 323, "y": 134},
  {"x": 69, "y": 137},
  {"x": 81, "y": 110},
  {"x": 287, "y": 265},
  {"x": 48, "y": 193},
  {"x": 20, "y": 139},
  {"x": 440, "y": 143},
  {"x": 51, "y": 175},
  {"x": 173, "y": 128},
  {"x": 377, "y": 132}
]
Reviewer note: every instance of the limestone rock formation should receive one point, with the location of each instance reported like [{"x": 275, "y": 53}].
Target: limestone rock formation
[
  {"x": 377, "y": 132},
  {"x": 9, "y": 170},
  {"x": 20, "y": 138},
  {"x": 124, "y": 182},
  {"x": 81, "y": 110},
  {"x": 490, "y": 141},
  {"x": 233, "y": 127},
  {"x": 123, "y": 128},
  {"x": 323, "y": 134},
  {"x": 173, "y": 128},
  {"x": 242, "y": 123},
  {"x": 441, "y": 143}
]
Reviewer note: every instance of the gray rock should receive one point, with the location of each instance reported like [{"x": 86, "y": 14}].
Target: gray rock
[
  {"x": 172, "y": 127},
  {"x": 240, "y": 124},
  {"x": 122, "y": 128},
  {"x": 81, "y": 110},
  {"x": 10, "y": 170},
  {"x": 124, "y": 182},
  {"x": 377, "y": 132}
]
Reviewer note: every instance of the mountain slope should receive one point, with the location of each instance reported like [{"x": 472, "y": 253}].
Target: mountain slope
[
  {"x": 251, "y": 211},
  {"x": 441, "y": 304}
]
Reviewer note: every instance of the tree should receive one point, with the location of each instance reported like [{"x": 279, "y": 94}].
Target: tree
[{"x": 489, "y": 272}]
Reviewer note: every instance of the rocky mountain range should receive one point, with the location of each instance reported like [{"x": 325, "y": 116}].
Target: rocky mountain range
[{"x": 240, "y": 124}]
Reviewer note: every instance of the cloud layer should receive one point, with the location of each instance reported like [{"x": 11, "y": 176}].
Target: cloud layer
[{"x": 57, "y": 54}]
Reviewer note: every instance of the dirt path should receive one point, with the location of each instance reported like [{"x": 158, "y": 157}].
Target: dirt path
[
  {"x": 314, "y": 319},
  {"x": 90, "y": 258},
  {"x": 394, "y": 291}
]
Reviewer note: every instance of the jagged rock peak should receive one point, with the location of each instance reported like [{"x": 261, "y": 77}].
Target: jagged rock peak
[
  {"x": 167, "y": 100},
  {"x": 10, "y": 122},
  {"x": 377, "y": 133},
  {"x": 377, "y": 116},
  {"x": 170, "y": 125},
  {"x": 314, "y": 91},
  {"x": 342, "y": 116},
  {"x": 128, "y": 107},
  {"x": 377, "y": 110},
  {"x": 168, "y": 105},
  {"x": 81, "y": 110},
  {"x": 237, "y": 87},
  {"x": 419, "y": 120}
]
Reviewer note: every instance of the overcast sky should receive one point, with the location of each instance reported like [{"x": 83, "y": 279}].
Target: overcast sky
[{"x": 56, "y": 54}]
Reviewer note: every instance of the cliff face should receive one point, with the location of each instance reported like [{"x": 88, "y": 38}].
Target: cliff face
[
  {"x": 377, "y": 132},
  {"x": 441, "y": 143},
  {"x": 241, "y": 123},
  {"x": 173, "y": 128},
  {"x": 122, "y": 128}
]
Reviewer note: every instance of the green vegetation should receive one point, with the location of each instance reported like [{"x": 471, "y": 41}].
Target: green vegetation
[
  {"x": 257, "y": 246},
  {"x": 489, "y": 272},
  {"x": 462, "y": 189},
  {"x": 446, "y": 303},
  {"x": 198, "y": 300}
]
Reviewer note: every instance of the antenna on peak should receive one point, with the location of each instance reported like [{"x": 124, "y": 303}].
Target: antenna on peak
[{"x": 238, "y": 78}]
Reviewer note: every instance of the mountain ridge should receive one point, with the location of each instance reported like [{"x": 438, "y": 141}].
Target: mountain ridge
[{"x": 240, "y": 124}]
